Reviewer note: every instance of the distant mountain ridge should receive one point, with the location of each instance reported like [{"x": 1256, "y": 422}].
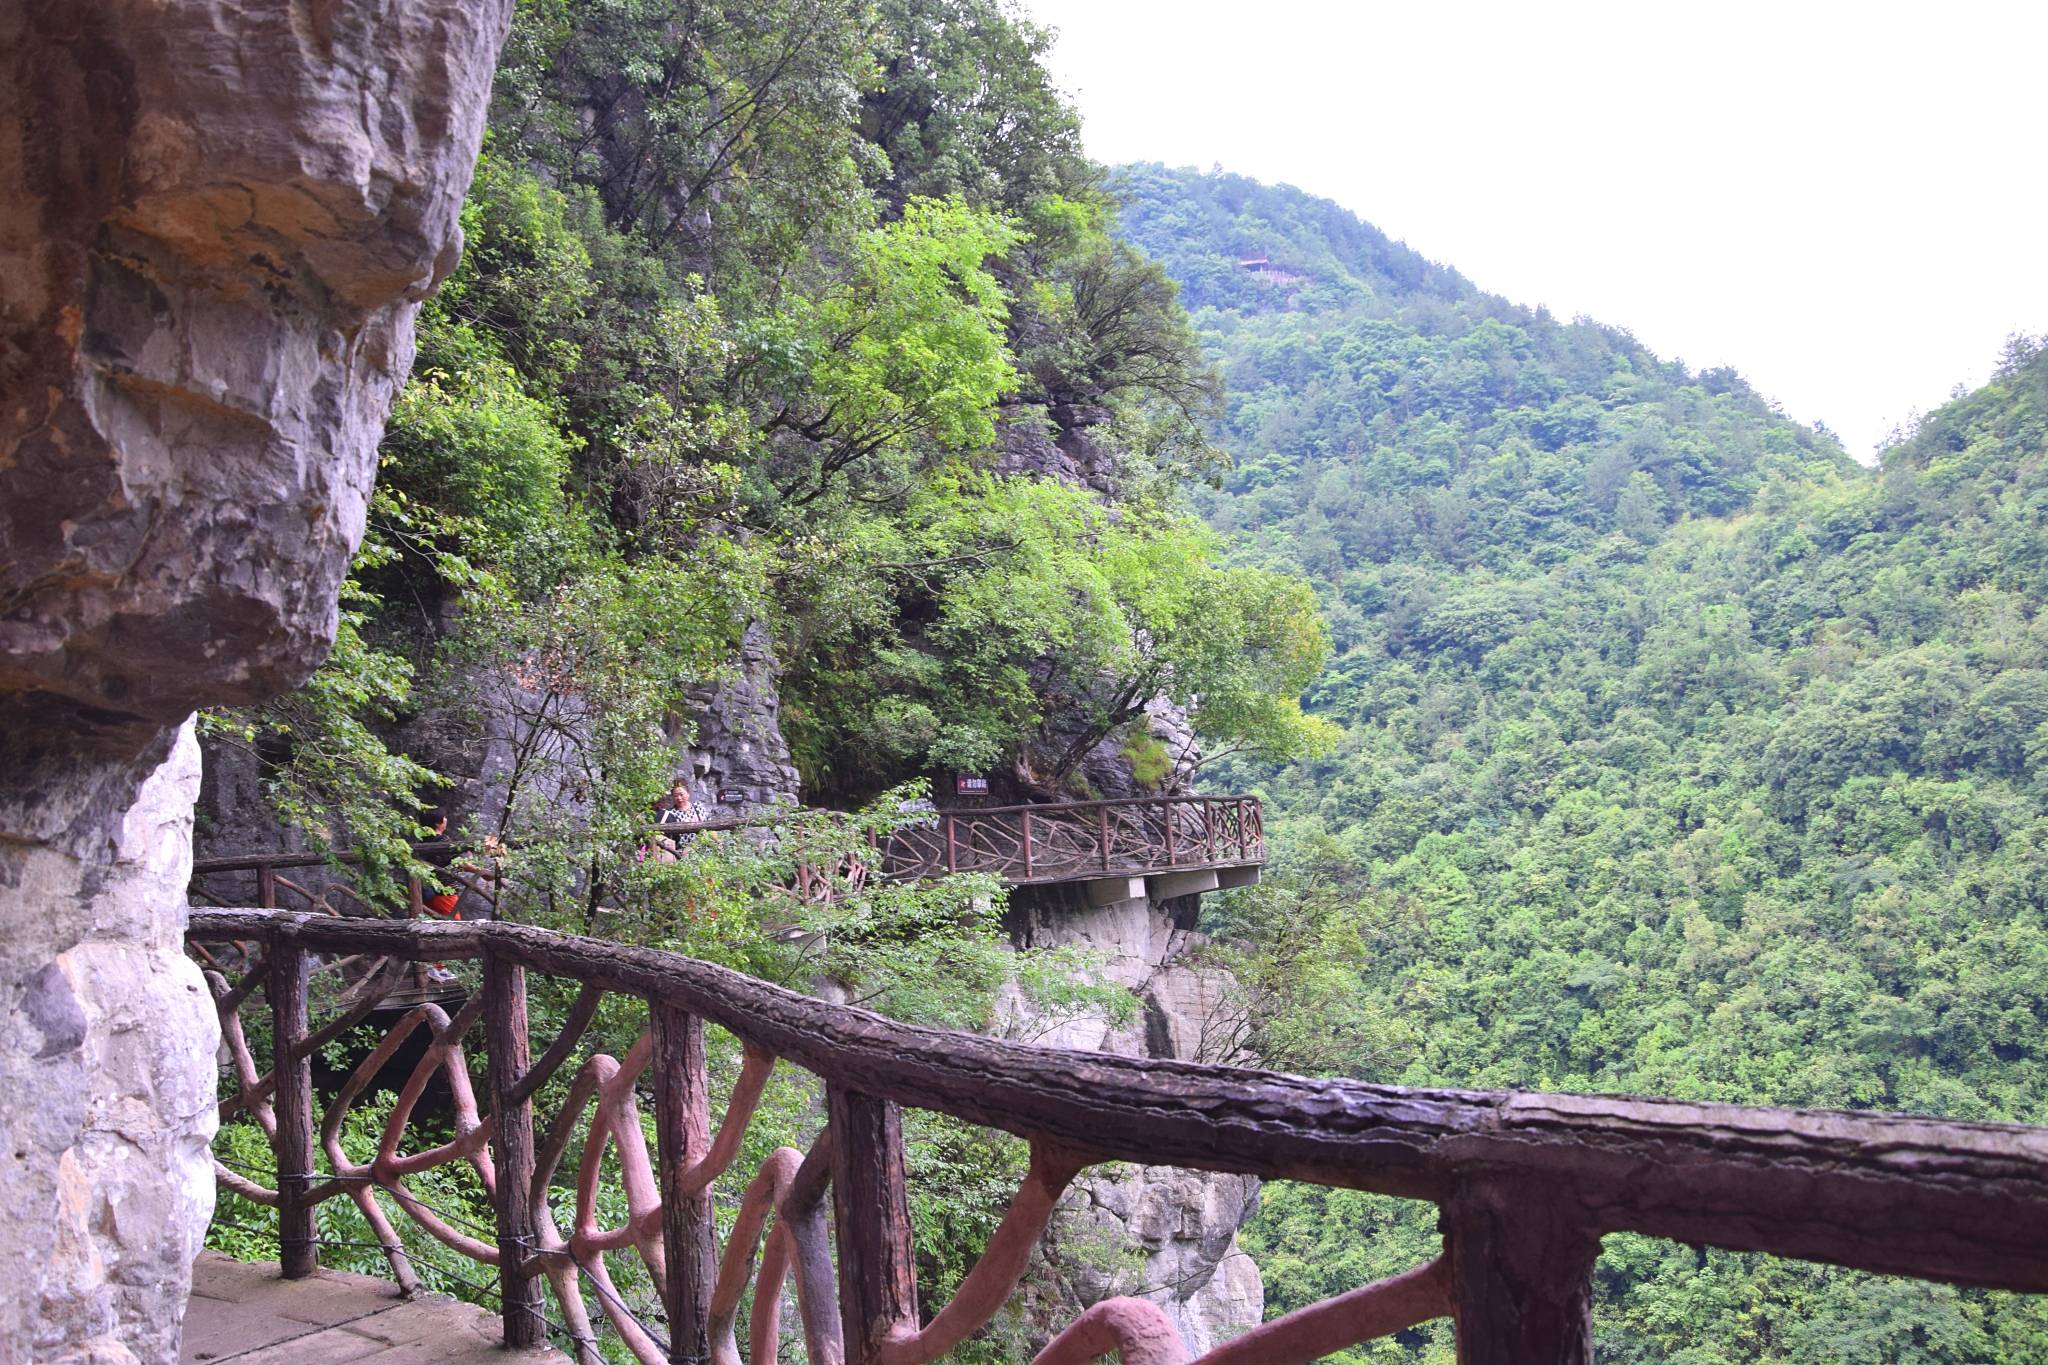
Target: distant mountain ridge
[
  {"x": 1201, "y": 226},
  {"x": 1452, "y": 421},
  {"x": 1682, "y": 754}
]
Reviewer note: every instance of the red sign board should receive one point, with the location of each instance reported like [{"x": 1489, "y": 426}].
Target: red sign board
[{"x": 963, "y": 785}]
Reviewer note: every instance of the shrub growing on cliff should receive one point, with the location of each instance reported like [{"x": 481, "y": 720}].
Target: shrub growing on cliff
[{"x": 1034, "y": 621}]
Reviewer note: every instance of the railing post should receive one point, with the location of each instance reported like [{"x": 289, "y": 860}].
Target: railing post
[
  {"x": 871, "y": 1206},
  {"x": 1027, "y": 843},
  {"x": 682, "y": 1121},
  {"x": 952, "y": 850},
  {"x": 291, "y": 972},
  {"x": 266, "y": 886},
  {"x": 1167, "y": 811},
  {"x": 1209, "y": 830},
  {"x": 1521, "y": 1277},
  {"x": 1102, "y": 833},
  {"x": 507, "y": 1059}
]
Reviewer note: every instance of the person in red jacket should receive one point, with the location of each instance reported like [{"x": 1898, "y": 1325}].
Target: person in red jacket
[
  {"x": 443, "y": 903},
  {"x": 446, "y": 904}
]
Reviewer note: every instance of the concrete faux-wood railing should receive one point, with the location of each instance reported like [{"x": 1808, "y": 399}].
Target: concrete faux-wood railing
[
  {"x": 1117, "y": 850},
  {"x": 1107, "y": 844},
  {"x": 1527, "y": 1183}
]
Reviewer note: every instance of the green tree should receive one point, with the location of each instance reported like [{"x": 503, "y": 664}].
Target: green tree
[{"x": 1639, "y": 511}]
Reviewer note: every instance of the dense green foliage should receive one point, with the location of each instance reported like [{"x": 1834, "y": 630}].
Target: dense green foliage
[
  {"x": 1680, "y": 756},
  {"x": 753, "y": 297}
]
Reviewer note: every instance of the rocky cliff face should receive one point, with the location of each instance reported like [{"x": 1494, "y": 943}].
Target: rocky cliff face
[
  {"x": 737, "y": 744},
  {"x": 728, "y": 738},
  {"x": 107, "y": 1060},
  {"x": 1055, "y": 441},
  {"x": 1155, "y": 1232},
  {"x": 217, "y": 219},
  {"x": 1149, "y": 1231}
]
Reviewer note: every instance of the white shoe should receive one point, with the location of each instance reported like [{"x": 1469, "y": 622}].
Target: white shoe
[{"x": 440, "y": 975}]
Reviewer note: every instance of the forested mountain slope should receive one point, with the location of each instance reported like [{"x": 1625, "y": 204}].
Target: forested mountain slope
[
  {"x": 1383, "y": 411},
  {"x": 1681, "y": 755}
]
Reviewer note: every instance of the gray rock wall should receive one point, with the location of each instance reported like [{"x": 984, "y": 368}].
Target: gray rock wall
[
  {"x": 217, "y": 220},
  {"x": 728, "y": 737},
  {"x": 1150, "y": 1231},
  {"x": 737, "y": 743},
  {"x": 1056, "y": 441},
  {"x": 108, "y": 1060},
  {"x": 1107, "y": 771}
]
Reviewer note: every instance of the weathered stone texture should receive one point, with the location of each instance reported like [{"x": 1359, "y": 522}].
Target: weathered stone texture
[
  {"x": 1057, "y": 441},
  {"x": 1107, "y": 770},
  {"x": 108, "y": 1055},
  {"x": 217, "y": 219},
  {"x": 1149, "y": 1231},
  {"x": 1162, "y": 1234},
  {"x": 481, "y": 732},
  {"x": 737, "y": 742}
]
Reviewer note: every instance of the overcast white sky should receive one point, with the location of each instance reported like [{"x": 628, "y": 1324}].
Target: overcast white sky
[{"x": 1848, "y": 203}]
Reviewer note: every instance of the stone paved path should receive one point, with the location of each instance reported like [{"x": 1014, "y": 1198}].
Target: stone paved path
[{"x": 247, "y": 1314}]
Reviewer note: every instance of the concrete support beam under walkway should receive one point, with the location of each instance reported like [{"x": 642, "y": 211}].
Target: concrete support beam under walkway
[
  {"x": 1115, "y": 890},
  {"x": 1170, "y": 884}
]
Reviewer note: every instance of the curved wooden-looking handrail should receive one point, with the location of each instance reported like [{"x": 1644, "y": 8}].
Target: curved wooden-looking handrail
[{"x": 1964, "y": 1203}]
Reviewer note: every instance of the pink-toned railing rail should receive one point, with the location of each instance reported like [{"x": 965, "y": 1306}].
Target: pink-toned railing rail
[{"x": 1527, "y": 1183}]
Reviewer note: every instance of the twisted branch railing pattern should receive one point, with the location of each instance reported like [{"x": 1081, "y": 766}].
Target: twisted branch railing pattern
[{"x": 1527, "y": 1183}]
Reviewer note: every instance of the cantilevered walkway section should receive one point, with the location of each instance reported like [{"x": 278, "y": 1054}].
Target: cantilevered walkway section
[{"x": 1161, "y": 847}]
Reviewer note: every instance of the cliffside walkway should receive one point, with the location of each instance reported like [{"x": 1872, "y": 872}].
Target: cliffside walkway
[
  {"x": 248, "y": 1314},
  {"x": 1159, "y": 846},
  {"x": 1526, "y": 1183}
]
